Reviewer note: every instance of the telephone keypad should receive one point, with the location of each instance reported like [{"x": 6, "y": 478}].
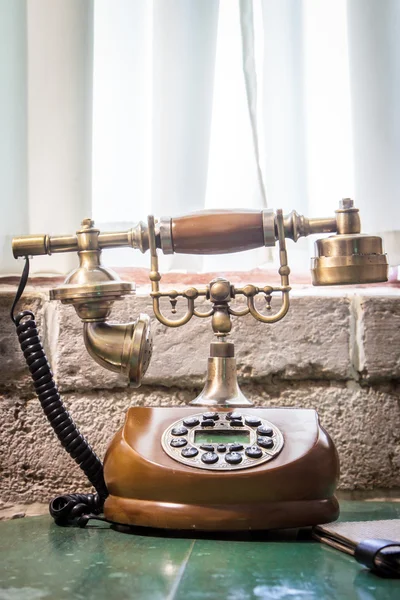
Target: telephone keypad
[
  {"x": 265, "y": 431},
  {"x": 208, "y": 423},
  {"x": 222, "y": 440},
  {"x": 234, "y": 415},
  {"x": 209, "y": 458},
  {"x": 178, "y": 442},
  {"x": 235, "y": 447},
  {"x": 252, "y": 421},
  {"x": 191, "y": 422},
  {"x": 211, "y": 415},
  {"x": 189, "y": 452},
  {"x": 253, "y": 452},
  {"x": 233, "y": 458},
  {"x": 179, "y": 431},
  {"x": 266, "y": 442}
]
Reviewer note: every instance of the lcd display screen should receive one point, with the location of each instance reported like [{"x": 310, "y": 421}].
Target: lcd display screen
[{"x": 222, "y": 437}]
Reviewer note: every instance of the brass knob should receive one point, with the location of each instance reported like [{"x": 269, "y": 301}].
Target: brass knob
[{"x": 87, "y": 223}]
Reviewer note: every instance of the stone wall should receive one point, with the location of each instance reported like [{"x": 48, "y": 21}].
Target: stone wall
[{"x": 338, "y": 352}]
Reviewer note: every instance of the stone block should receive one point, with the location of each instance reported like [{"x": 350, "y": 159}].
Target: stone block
[
  {"x": 14, "y": 374},
  {"x": 379, "y": 333},
  {"x": 312, "y": 342},
  {"x": 34, "y": 466},
  {"x": 364, "y": 423}
]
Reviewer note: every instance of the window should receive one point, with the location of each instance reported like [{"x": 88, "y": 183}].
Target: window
[{"x": 197, "y": 104}]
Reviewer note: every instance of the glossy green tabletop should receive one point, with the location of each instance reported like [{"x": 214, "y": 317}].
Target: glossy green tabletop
[{"x": 40, "y": 560}]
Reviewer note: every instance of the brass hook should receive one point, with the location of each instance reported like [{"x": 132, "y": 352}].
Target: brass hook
[
  {"x": 284, "y": 272},
  {"x": 155, "y": 277}
]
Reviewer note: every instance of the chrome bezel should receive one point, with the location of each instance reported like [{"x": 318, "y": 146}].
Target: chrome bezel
[{"x": 222, "y": 424}]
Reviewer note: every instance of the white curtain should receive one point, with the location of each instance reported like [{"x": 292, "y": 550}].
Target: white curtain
[
  {"x": 197, "y": 104},
  {"x": 171, "y": 122},
  {"x": 46, "y": 49}
]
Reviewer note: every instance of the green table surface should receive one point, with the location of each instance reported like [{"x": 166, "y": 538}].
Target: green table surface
[{"x": 40, "y": 560}]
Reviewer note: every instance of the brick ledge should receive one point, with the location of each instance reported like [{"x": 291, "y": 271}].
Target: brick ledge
[{"x": 141, "y": 277}]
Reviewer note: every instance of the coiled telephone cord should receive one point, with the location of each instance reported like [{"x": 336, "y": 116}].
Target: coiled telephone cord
[{"x": 69, "y": 509}]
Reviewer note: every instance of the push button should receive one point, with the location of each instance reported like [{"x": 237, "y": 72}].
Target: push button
[
  {"x": 236, "y": 423},
  {"x": 221, "y": 448},
  {"x": 211, "y": 415},
  {"x": 233, "y": 458},
  {"x": 178, "y": 443},
  {"x": 265, "y": 442},
  {"x": 191, "y": 421},
  {"x": 208, "y": 423},
  {"x": 208, "y": 447},
  {"x": 235, "y": 447},
  {"x": 251, "y": 421},
  {"x": 209, "y": 458},
  {"x": 253, "y": 452},
  {"x": 262, "y": 430},
  {"x": 233, "y": 415},
  {"x": 179, "y": 431},
  {"x": 189, "y": 452}
]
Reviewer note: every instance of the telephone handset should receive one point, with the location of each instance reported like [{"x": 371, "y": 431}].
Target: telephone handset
[{"x": 219, "y": 463}]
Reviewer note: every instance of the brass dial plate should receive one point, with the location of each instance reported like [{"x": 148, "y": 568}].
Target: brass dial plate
[{"x": 222, "y": 430}]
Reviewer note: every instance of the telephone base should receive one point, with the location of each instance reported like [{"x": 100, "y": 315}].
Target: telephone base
[
  {"x": 236, "y": 517},
  {"x": 154, "y": 482}
]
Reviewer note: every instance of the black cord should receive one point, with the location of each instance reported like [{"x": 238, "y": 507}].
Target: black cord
[
  {"x": 71, "y": 508},
  {"x": 20, "y": 290}
]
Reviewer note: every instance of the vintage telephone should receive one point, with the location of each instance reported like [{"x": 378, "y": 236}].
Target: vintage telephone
[{"x": 219, "y": 463}]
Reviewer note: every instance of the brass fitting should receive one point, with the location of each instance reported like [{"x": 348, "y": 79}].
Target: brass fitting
[
  {"x": 347, "y": 220},
  {"x": 39, "y": 244},
  {"x": 349, "y": 257},
  {"x": 92, "y": 290},
  {"x": 220, "y": 293},
  {"x": 221, "y": 387}
]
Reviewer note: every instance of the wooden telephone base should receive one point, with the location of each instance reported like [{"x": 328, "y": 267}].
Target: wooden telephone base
[{"x": 149, "y": 488}]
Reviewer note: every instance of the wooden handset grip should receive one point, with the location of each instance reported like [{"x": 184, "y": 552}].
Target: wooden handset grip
[{"x": 217, "y": 231}]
